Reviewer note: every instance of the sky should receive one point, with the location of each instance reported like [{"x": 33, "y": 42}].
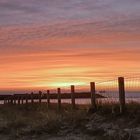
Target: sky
[{"x": 57, "y": 43}]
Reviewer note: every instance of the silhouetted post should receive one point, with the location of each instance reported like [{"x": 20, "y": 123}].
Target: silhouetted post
[
  {"x": 19, "y": 100},
  {"x": 93, "y": 95},
  {"x": 73, "y": 96},
  {"x": 40, "y": 96},
  {"x": 32, "y": 97},
  {"x": 22, "y": 100},
  {"x": 11, "y": 100},
  {"x": 45, "y": 97},
  {"x": 59, "y": 98},
  {"x": 48, "y": 98},
  {"x": 121, "y": 94},
  {"x": 26, "y": 97},
  {"x": 14, "y": 99}
]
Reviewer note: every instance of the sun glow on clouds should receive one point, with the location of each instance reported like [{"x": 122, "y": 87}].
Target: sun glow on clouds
[{"x": 61, "y": 84}]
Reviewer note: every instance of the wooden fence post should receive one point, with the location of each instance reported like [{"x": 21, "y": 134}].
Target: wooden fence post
[
  {"x": 4, "y": 101},
  {"x": 8, "y": 100},
  {"x": 121, "y": 94},
  {"x": 32, "y": 97},
  {"x": 48, "y": 99},
  {"x": 40, "y": 96},
  {"x": 22, "y": 100},
  {"x": 11, "y": 100},
  {"x": 26, "y": 98},
  {"x": 59, "y": 98},
  {"x": 19, "y": 100},
  {"x": 45, "y": 97},
  {"x": 14, "y": 98},
  {"x": 73, "y": 96},
  {"x": 93, "y": 95}
]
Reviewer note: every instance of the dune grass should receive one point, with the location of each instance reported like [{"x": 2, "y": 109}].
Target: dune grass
[{"x": 37, "y": 119}]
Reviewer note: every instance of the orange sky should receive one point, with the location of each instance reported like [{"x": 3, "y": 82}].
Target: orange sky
[
  {"x": 73, "y": 60},
  {"x": 58, "y": 53}
]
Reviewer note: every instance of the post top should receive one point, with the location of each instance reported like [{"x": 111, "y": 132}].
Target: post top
[{"x": 120, "y": 77}]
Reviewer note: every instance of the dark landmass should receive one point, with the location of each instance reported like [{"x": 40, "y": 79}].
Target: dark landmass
[{"x": 79, "y": 95}]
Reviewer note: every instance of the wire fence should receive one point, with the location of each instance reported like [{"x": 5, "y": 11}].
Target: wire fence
[
  {"x": 109, "y": 90},
  {"x": 105, "y": 92},
  {"x": 132, "y": 88}
]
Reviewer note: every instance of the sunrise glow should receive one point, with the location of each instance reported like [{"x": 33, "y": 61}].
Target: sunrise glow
[{"x": 61, "y": 46}]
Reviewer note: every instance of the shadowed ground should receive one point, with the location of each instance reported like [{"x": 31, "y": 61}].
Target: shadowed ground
[{"x": 36, "y": 122}]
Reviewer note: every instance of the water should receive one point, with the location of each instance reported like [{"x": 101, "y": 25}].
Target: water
[{"x": 112, "y": 97}]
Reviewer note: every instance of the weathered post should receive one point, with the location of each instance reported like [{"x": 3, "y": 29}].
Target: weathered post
[
  {"x": 59, "y": 98},
  {"x": 32, "y": 97},
  {"x": 11, "y": 100},
  {"x": 121, "y": 94},
  {"x": 48, "y": 99},
  {"x": 8, "y": 100},
  {"x": 26, "y": 96},
  {"x": 93, "y": 95},
  {"x": 45, "y": 97},
  {"x": 19, "y": 100},
  {"x": 22, "y": 100},
  {"x": 73, "y": 96},
  {"x": 14, "y": 98},
  {"x": 40, "y": 96}
]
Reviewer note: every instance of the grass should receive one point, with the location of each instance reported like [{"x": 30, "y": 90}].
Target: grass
[
  {"x": 35, "y": 119},
  {"x": 20, "y": 120}
]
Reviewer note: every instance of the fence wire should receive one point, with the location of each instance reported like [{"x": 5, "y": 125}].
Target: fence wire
[
  {"x": 109, "y": 91},
  {"x": 132, "y": 89},
  {"x": 66, "y": 90},
  {"x": 106, "y": 92},
  {"x": 83, "y": 89}
]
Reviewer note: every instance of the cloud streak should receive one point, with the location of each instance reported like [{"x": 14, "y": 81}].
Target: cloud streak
[{"x": 42, "y": 42}]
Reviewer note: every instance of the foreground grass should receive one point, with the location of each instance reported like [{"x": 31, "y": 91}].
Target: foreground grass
[{"x": 36, "y": 120}]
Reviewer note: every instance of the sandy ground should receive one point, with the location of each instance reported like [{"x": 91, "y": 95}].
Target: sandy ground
[
  {"x": 28, "y": 124},
  {"x": 95, "y": 127}
]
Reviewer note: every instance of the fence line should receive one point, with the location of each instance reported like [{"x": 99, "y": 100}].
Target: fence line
[{"x": 100, "y": 91}]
